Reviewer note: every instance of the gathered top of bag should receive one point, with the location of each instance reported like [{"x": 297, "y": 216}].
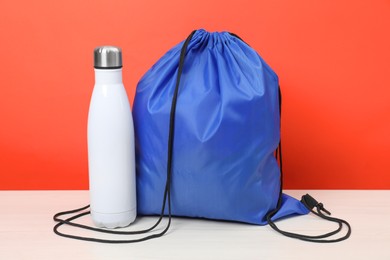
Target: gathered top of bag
[{"x": 213, "y": 38}]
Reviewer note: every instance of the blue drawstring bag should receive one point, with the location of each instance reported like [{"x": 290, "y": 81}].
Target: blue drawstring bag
[
  {"x": 226, "y": 132},
  {"x": 207, "y": 128}
]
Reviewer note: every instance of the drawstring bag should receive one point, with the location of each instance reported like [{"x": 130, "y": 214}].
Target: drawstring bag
[
  {"x": 226, "y": 132},
  {"x": 207, "y": 131}
]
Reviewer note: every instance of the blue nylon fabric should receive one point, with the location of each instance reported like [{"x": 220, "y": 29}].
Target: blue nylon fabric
[{"x": 226, "y": 131}]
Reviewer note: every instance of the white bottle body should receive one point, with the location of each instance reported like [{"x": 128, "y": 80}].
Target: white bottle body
[{"x": 111, "y": 155}]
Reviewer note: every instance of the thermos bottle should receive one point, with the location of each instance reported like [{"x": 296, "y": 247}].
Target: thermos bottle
[{"x": 111, "y": 156}]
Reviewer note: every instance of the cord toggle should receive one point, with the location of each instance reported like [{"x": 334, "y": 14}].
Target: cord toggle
[{"x": 311, "y": 202}]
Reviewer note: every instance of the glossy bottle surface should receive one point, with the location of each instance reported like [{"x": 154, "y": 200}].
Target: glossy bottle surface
[{"x": 111, "y": 157}]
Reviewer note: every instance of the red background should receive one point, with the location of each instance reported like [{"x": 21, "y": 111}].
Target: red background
[{"x": 332, "y": 58}]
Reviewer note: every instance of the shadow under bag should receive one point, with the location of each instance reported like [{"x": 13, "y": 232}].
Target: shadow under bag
[{"x": 207, "y": 133}]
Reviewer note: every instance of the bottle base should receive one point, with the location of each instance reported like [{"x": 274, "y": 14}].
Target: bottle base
[{"x": 114, "y": 220}]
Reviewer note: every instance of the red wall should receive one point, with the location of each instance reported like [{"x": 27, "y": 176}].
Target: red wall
[{"x": 332, "y": 57}]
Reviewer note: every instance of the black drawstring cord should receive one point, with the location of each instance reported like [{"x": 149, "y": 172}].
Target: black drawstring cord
[
  {"x": 309, "y": 202},
  {"x": 167, "y": 191}
]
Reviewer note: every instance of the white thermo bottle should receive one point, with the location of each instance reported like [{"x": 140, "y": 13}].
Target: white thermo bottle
[{"x": 111, "y": 157}]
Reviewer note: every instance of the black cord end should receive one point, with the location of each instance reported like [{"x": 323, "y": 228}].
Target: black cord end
[
  {"x": 320, "y": 206},
  {"x": 311, "y": 202}
]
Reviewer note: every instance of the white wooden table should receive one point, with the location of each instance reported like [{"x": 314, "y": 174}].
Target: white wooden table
[{"x": 26, "y": 231}]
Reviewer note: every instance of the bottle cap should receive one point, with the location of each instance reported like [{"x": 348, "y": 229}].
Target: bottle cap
[{"x": 107, "y": 57}]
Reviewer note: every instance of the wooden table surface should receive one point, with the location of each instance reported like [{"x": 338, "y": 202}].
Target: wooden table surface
[{"x": 26, "y": 231}]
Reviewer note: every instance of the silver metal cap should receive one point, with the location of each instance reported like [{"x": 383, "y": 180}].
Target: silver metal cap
[{"x": 107, "y": 57}]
